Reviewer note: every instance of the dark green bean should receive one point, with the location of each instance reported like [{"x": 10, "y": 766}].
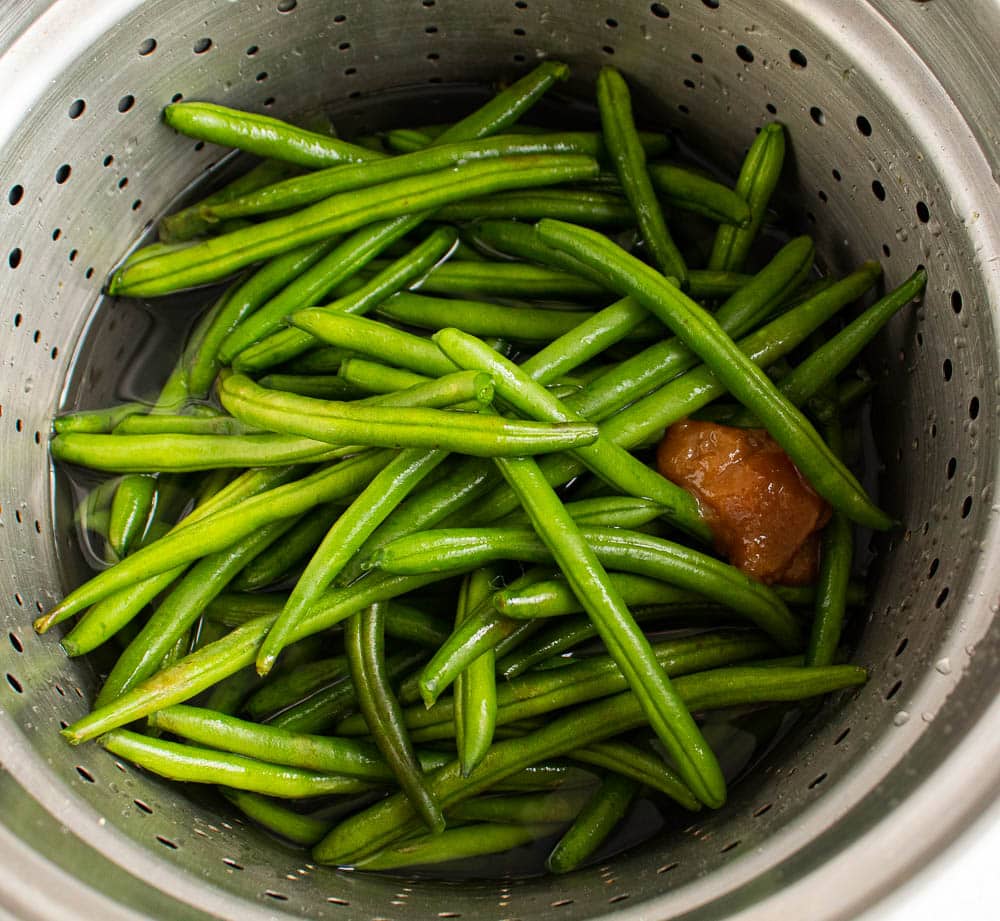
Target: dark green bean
[
  {"x": 561, "y": 806},
  {"x": 475, "y": 687},
  {"x": 130, "y": 512},
  {"x": 589, "y": 207},
  {"x": 279, "y": 820},
  {"x": 291, "y": 686},
  {"x": 321, "y": 386},
  {"x": 217, "y": 257},
  {"x": 641, "y": 766},
  {"x": 757, "y": 180},
  {"x": 615, "y": 106},
  {"x": 699, "y": 330},
  {"x": 96, "y": 421},
  {"x": 597, "y": 819},
  {"x": 180, "y": 424},
  {"x": 364, "y": 641},
  {"x": 690, "y": 191}
]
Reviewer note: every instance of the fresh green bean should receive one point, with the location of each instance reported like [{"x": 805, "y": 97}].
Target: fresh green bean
[
  {"x": 203, "y": 765},
  {"x": 612, "y": 463},
  {"x": 756, "y": 183},
  {"x": 601, "y": 511},
  {"x": 351, "y": 423},
  {"x": 615, "y": 106},
  {"x": 590, "y": 207},
  {"x": 321, "y": 360},
  {"x": 379, "y": 378},
  {"x": 181, "y": 424},
  {"x": 364, "y": 641},
  {"x": 279, "y": 820},
  {"x": 189, "y": 222},
  {"x": 597, "y": 819},
  {"x": 475, "y": 687},
  {"x": 261, "y": 135},
  {"x": 291, "y": 686},
  {"x": 219, "y": 256},
  {"x": 561, "y": 806},
  {"x": 462, "y": 278},
  {"x": 690, "y": 191},
  {"x": 184, "y": 453},
  {"x": 386, "y": 821},
  {"x": 96, "y": 421},
  {"x": 456, "y": 844},
  {"x": 789, "y": 427},
  {"x": 377, "y": 500},
  {"x": 641, "y": 766},
  {"x": 130, "y": 511}
]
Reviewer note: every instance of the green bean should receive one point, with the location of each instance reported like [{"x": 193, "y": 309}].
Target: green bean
[
  {"x": 523, "y": 809},
  {"x": 96, "y": 421},
  {"x": 618, "y": 128},
  {"x": 642, "y": 767},
  {"x": 824, "y": 364},
  {"x": 179, "y": 610},
  {"x": 222, "y": 529},
  {"x": 456, "y": 844},
  {"x": 261, "y": 135},
  {"x": 210, "y": 664},
  {"x": 279, "y": 820},
  {"x": 826, "y": 473},
  {"x": 475, "y": 688},
  {"x": 597, "y": 819},
  {"x": 525, "y": 324},
  {"x": 377, "y": 500},
  {"x": 184, "y": 453},
  {"x": 338, "y": 265},
  {"x": 690, "y": 191},
  {"x": 219, "y": 256},
  {"x": 286, "y": 344},
  {"x": 276, "y": 561},
  {"x": 406, "y": 140},
  {"x": 756, "y": 183},
  {"x": 672, "y": 723},
  {"x": 288, "y": 688},
  {"x": 450, "y": 549},
  {"x": 315, "y": 186},
  {"x": 504, "y": 279},
  {"x": 243, "y": 301},
  {"x": 130, "y": 512},
  {"x": 321, "y": 360},
  {"x": 350, "y": 423},
  {"x": 364, "y": 641},
  {"x": 379, "y": 378},
  {"x": 324, "y": 709},
  {"x": 384, "y": 822},
  {"x": 181, "y": 424},
  {"x": 321, "y": 386},
  {"x": 203, "y": 765},
  {"x": 612, "y": 463},
  {"x": 589, "y": 207},
  {"x": 188, "y": 223},
  {"x": 602, "y": 511}
]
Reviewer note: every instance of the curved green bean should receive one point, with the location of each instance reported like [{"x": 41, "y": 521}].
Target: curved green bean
[
  {"x": 690, "y": 191},
  {"x": 130, "y": 511},
  {"x": 279, "y": 820},
  {"x": 475, "y": 687},
  {"x": 590, "y": 207}
]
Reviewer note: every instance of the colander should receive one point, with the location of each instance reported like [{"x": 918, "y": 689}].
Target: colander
[{"x": 892, "y": 113}]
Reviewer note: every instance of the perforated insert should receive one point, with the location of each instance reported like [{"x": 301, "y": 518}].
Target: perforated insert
[{"x": 872, "y": 175}]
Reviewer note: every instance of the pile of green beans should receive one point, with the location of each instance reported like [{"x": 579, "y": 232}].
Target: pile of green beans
[{"x": 390, "y": 567}]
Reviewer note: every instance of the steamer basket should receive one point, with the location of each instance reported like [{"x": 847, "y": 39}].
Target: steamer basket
[{"x": 891, "y": 107}]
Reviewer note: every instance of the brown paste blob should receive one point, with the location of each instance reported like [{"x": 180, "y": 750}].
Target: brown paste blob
[{"x": 763, "y": 514}]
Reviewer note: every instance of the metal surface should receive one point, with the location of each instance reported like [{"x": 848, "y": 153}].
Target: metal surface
[{"x": 891, "y": 92}]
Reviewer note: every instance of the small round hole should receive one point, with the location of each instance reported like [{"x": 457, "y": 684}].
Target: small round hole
[
  {"x": 729, "y": 847},
  {"x": 946, "y": 369},
  {"x": 817, "y": 115},
  {"x": 711, "y": 4},
  {"x": 772, "y": 108},
  {"x": 684, "y": 109},
  {"x": 689, "y": 84},
  {"x": 797, "y": 58},
  {"x": 15, "y": 642},
  {"x": 85, "y": 774},
  {"x": 123, "y": 182},
  {"x": 73, "y": 253},
  {"x": 343, "y": 46},
  {"x": 836, "y": 174},
  {"x": 886, "y": 251},
  {"x": 432, "y": 30},
  {"x": 63, "y": 173},
  {"x": 144, "y": 807},
  {"x": 229, "y": 862},
  {"x": 973, "y": 407},
  {"x": 15, "y": 684},
  {"x": 262, "y": 76},
  {"x": 147, "y": 47},
  {"x": 878, "y": 190},
  {"x": 76, "y": 108},
  {"x": 744, "y": 54},
  {"x": 177, "y": 97},
  {"x": 15, "y": 194},
  {"x": 815, "y": 783},
  {"x": 956, "y": 301},
  {"x": 659, "y": 11},
  {"x": 166, "y": 842},
  {"x": 935, "y": 563},
  {"x": 843, "y": 735},
  {"x": 108, "y": 160},
  {"x": 697, "y": 58},
  {"x": 667, "y": 867},
  {"x": 14, "y": 259},
  {"x": 894, "y": 690},
  {"x": 57, "y": 233},
  {"x": 202, "y": 45},
  {"x": 612, "y": 23},
  {"x": 277, "y": 896},
  {"x": 942, "y": 597},
  {"x": 252, "y": 50},
  {"x": 761, "y": 810},
  {"x": 126, "y": 102},
  {"x": 607, "y": 49},
  {"x": 923, "y": 212},
  {"x": 864, "y": 126},
  {"x": 286, "y": 6},
  {"x": 269, "y": 101},
  {"x": 967, "y": 507},
  {"x": 520, "y": 33},
  {"x": 823, "y": 197}
]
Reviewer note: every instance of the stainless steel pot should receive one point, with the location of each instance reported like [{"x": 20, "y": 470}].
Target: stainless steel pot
[{"x": 891, "y": 108}]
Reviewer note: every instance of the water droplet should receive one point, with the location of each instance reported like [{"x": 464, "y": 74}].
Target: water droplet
[
  {"x": 902, "y": 234},
  {"x": 901, "y": 718},
  {"x": 943, "y": 666}
]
